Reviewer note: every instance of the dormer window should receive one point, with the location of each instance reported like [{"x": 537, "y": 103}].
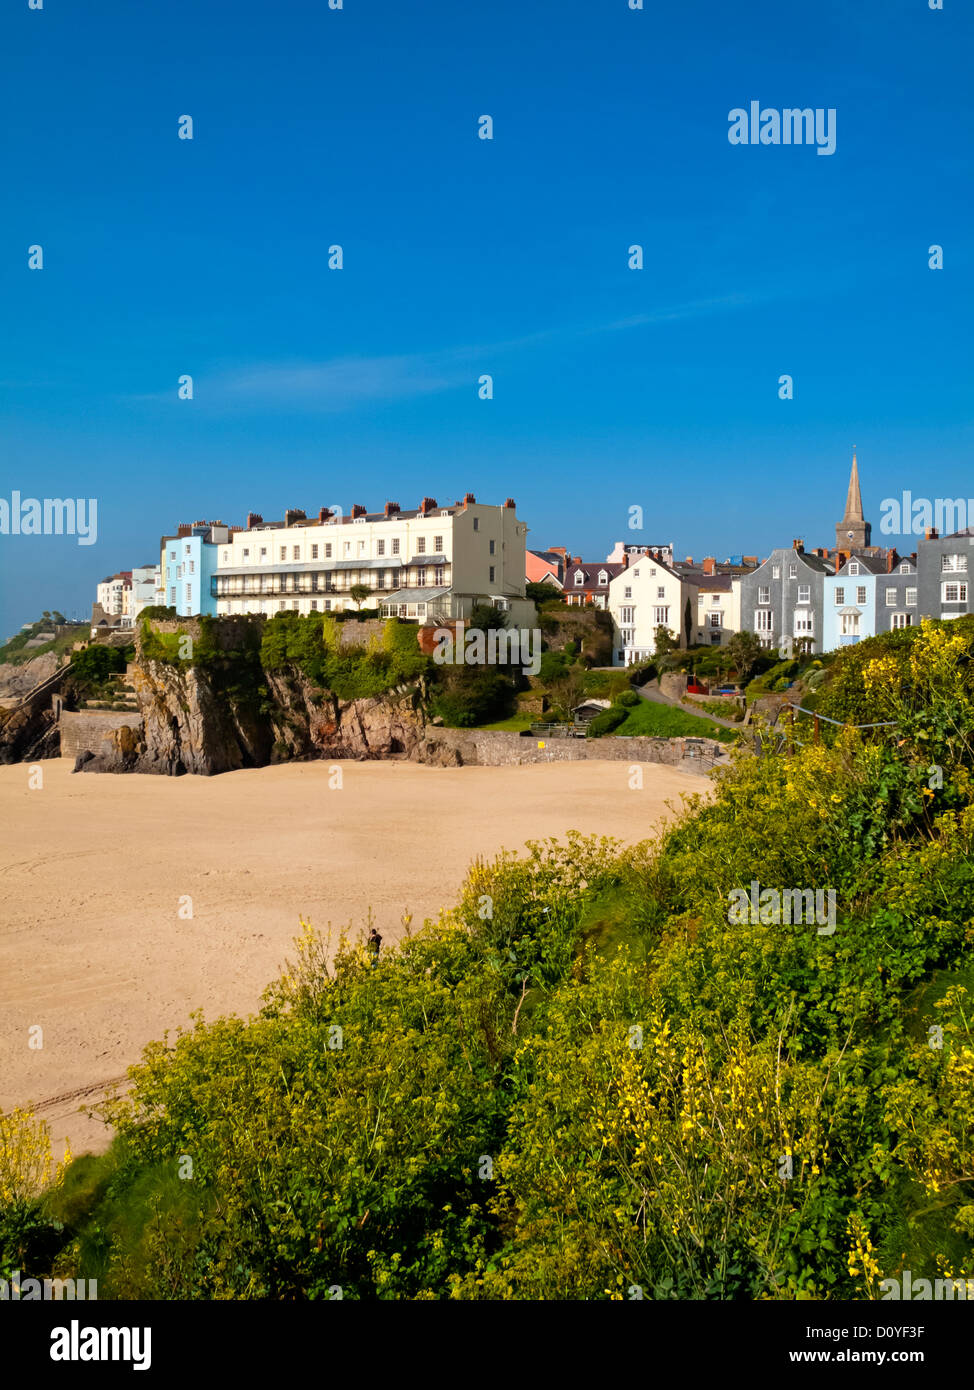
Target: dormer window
[
  {"x": 853, "y": 568},
  {"x": 603, "y": 577},
  {"x": 905, "y": 567},
  {"x": 579, "y": 578}
]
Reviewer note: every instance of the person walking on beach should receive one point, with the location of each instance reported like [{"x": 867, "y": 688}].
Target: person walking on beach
[{"x": 373, "y": 944}]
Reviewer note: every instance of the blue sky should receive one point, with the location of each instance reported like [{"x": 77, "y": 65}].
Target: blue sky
[{"x": 612, "y": 387}]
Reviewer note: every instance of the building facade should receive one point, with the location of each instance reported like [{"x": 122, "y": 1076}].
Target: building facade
[
  {"x": 866, "y": 596},
  {"x": 429, "y": 564},
  {"x": 643, "y": 596},
  {"x": 783, "y": 600},
  {"x": 944, "y": 568},
  {"x": 188, "y": 564}
]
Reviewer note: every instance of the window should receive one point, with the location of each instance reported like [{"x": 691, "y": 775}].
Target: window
[
  {"x": 348, "y": 547},
  {"x": 626, "y": 615},
  {"x": 314, "y": 605},
  {"x": 579, "y": 578},
  {"x": 296, "y": 552},
  {"x": 492, "y": 547},
  {"x": 911, "y": 598},
  {"x": 438, "y": 545},
  {"x": 380, "y": 547},
  {"x": 804, "y": 593},
  {"x": 328, "y": 552},
  {"x": 189, "y": 594},
  {"x": 226, "y": 556},
  {"x": 804, "y": 623},
  {"x": 900, "y": 620},
  {"x": 839, "y": 596},
  {"x": 763, "y": 620},
  {"x": 421, "y": 576},
  {"x": 491, "y": 574},
  {"x": 775, "y": 571},
  {"x": 860, "y": 594},
  {"x": 853, "y": 568},
  {"x": 172, "y": 554},
  {"x": 314, "y": 552},
  {"x": 172, "y": 597},
  {"x": 628, "y": 635},
  {"x": 395, "y": 546},
  {"x": 188, "y": 549},
  {"x": 246, "y": 554},
  {"x": 476, "y": 523},
  {"x": 661, "y": 615},
  {"x": 890, "y": 598},
  {"x": 764, "y": 593},
  {"x": 420, "y": 545},
  {"x": 905, "y": 568},
  {"x": 652, "y": 572},
  {"x": 792, "y": 571},
  {"x": 636, "y": 573},
  {"x": 849, "y": 624},
  {"x": 660, "y": 591},
  {"x": 327, "y": 605},
  {"x": 294, "y": 603},
  {"x": 361, "y": 548},
  {"x": 954, "y": 593},
  {"x": 715, "y": 620},
  {"x": 281, "y": 606},
  {"x": 603, "y": 577},
  {"x": 438, "y": 575},
  {"x": 627, "y": 593},
  {"x": 951, "y": 564}
]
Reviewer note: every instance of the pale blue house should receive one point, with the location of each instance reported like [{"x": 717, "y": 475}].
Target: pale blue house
[{"x": 189, "y": 562}]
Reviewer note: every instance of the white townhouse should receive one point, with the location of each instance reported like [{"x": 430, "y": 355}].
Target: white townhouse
[
  {"x": 647, "y": 593},
  {"x": 430, "y": 564}
]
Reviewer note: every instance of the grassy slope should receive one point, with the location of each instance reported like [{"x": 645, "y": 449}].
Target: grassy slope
[{"x": 666, "y": 721}]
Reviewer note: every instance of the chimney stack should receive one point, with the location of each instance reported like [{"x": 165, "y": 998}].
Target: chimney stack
[
  {"x": 710, "y": 565},
  {"x": 930, "y": 534},
  {"x": 391, "y": 508},
  {"x": 468, "y": 498},
  {"x": 358, "y": 510},
  {"x": 254, "y": 519},
  {"x": 892, "y": 560},
  {"x": 510, "y": 503},
  {"x": 688, "y": 560},
  {"x": 324, "y": 515},
  {"x": 427, "y": 505},
  {"x": 838, "y": 561},
  {"x": 798, "y": 545},
  {"x": 293, "y": 515}
]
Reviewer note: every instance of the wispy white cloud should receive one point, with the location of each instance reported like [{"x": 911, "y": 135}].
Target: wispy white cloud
[{"x": 345, "y": 383}]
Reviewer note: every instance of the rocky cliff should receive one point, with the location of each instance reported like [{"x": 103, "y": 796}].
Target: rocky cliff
[
  {"x": 193, "y": 722},
  {"x": 28, "y": 731}
]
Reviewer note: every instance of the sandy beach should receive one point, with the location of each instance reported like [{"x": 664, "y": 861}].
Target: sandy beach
[{"x": 96, "y": 869}]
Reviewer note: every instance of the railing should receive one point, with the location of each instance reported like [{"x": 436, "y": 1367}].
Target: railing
[{"x": 817, "y": 721}]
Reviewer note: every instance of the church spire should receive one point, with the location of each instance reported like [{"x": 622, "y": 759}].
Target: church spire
[
  {"x": 853, "y": 531},
  {"x": 853, "y": 501}
]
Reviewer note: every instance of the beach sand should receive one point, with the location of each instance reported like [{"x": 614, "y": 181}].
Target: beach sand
[{"x": 95, "y": 869}]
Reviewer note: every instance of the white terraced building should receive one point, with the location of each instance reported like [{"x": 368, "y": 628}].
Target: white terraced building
[{"x": 432, "y": 564}]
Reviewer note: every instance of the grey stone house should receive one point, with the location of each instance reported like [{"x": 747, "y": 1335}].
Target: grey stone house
[
  {"x": 944, "y": 570},
  {"x": 783, "y": 599}
]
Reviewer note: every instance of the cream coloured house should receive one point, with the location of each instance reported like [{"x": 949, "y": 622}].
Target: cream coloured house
[
  {"x": 647, "y": 594},
  {"x": 427, "y": 564}
]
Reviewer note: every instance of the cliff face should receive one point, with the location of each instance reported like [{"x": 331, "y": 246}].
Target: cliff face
[
  {"x": 29, "y": 732},
  {"x": 192, "y": 724}
]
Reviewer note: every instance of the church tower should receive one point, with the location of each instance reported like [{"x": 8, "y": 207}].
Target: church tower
[{"x": 853, "y": 531}]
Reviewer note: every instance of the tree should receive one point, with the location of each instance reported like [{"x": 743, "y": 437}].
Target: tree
[
  {"x": 359, "y": 592},
  {"x": 745, "y": 651},
  {"x": 541, "y": 593},
  {"x": 485, "y": 616},
  {"x": 688, "y": 621},
  {"x": 665, "y": 642}
]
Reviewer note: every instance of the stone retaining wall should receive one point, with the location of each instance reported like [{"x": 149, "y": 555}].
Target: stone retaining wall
[
  {"x": 83, "y": 731},
  {"x": 495, "y": 748}
]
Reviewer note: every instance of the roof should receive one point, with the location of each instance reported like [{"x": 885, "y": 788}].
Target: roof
[
  {"x": 715, "y": 582},
  {"x": 414, "y": 595},
  {"x": 874, "y": 564},
  {"x": 590, "y": 572}
]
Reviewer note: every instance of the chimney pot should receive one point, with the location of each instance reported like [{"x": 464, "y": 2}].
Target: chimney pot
[
  {"x": 510, "y": 503},
  {"x": 710, "y": 564},
  {"x": 930, "y": 534},
  {"x": 391, "y": 508},
  {"x": 358, "y": 510}
]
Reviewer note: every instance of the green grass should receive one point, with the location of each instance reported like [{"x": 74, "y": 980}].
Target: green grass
[
  {"x": 515, "y": 724},
  {"x": 16, "y": 653},
  {"x": 666, "y": 721}
]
